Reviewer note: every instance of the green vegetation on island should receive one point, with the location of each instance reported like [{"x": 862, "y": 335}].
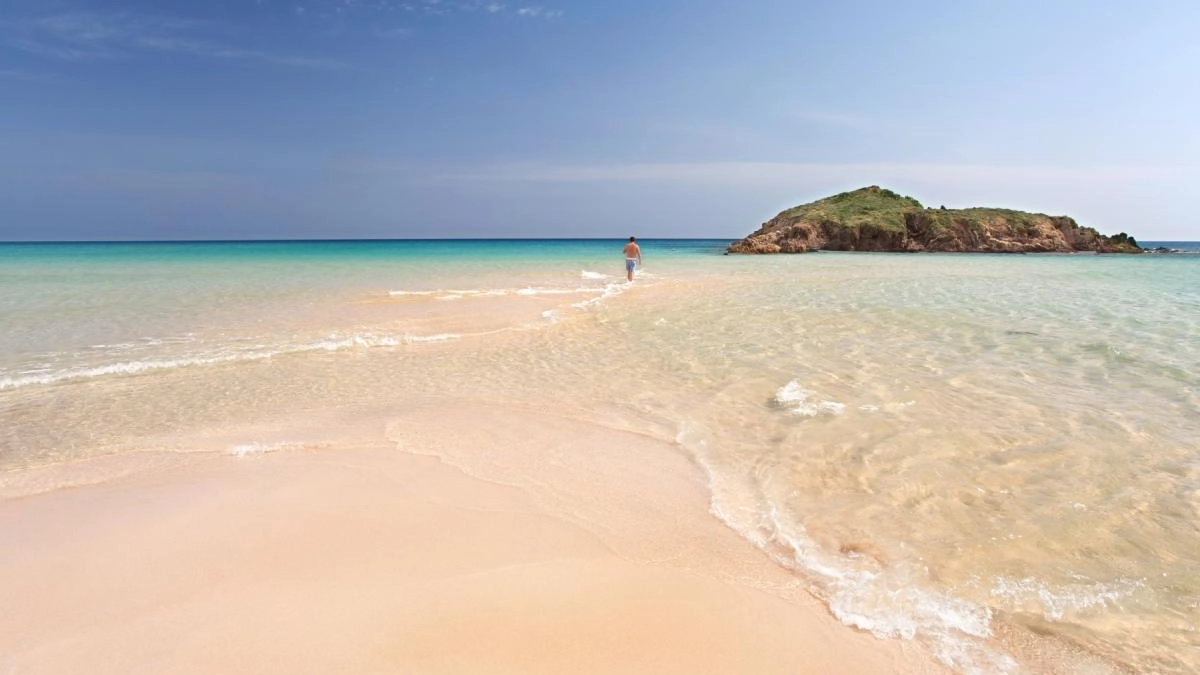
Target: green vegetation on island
[{"x": 878, "y": 219}]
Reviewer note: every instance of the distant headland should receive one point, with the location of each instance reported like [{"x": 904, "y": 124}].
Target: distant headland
[{"x": 877, "y": 219}]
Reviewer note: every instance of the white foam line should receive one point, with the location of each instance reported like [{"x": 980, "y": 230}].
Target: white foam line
[
  {"x": 558, "y": 291},
  {"x": 609, "y": 291},
  {"x": 439, "y": 337},
  {"x": 794, "y": 396},
  {"x": 603, "y": 293},
  {"x": 257, "y": 448},
  {"x": 455, "y": 294},
  {"x": 879, "y": 603},
  {"x": 332, "y": 344},
  {"x": 135, "y": 367},
  {"x": 868, "y": 597},
  {"x": 123, "y": 369},
  {"x": 463, "y": 292},
  {"x": 1058, "y": 602}
]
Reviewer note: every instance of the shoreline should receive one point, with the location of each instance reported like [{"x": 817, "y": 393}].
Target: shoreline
[{"x": 358, "y": 556}]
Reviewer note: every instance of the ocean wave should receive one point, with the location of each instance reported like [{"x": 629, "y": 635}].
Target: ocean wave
[
  {"x": 526, "y": 291},
  {"x": 609, "y": 291},
  {"x": 331, "y": 344},
  {"x": 257, "y": 448},
  {"x": 558, "y": 291},
  {"x": 126, "y": 362},
  {"x": 437, "y": 337},
  {"x": 452, "y": 293},
  {"x": 795, "y": 398},
  {"x": 600, "y": 293},
  {"x": 888, "y": 603},
  {"x": 860, "y": 590},
  {"x": 1057, "y": 602}
]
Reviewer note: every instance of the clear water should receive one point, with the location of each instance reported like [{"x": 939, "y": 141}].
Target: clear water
[{"x": 994, "y": 454}]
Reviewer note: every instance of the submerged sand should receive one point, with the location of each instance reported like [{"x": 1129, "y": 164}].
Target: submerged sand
[{"x": 449, "y": 539}]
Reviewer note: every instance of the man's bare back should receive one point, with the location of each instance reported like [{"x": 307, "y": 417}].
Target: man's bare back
[{"x": 633, "y": 257}]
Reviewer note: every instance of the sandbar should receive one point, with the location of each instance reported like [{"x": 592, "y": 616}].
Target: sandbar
[{"x": 453, "y": 539}]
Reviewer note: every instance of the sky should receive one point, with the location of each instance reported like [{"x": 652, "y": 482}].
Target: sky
[{"x": 264, "y": 119}]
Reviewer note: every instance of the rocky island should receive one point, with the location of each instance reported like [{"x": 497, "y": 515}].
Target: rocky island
[{"x": 877, "y": 219}]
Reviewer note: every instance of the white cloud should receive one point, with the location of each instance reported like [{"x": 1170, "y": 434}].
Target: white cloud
[
  {"x": 537, "y": 12},
  {"x": 84, "y": 36},
  {"x": 326, "y": 9},
  {"x": 217, "y": 51}
]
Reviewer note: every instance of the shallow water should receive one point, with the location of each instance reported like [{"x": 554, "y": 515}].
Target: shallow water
[{"x": 996, "y": 455}]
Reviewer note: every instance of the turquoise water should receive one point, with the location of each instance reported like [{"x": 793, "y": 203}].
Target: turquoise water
[
  {"x": 996, "y": 455},
  {"x": 63, "y": 300}
]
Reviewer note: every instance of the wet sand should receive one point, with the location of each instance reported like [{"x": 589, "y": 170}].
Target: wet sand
[{"x": 451, "y": 539}]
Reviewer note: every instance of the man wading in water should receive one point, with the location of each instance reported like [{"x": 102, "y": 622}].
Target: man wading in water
[{"x": 633, "y": 257}]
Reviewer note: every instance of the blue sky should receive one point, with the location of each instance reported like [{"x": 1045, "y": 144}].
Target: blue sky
[{"x": 181, "y": 119}]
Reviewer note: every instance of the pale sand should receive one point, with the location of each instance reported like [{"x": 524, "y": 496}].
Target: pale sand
[{"x": 537, "y": 543}]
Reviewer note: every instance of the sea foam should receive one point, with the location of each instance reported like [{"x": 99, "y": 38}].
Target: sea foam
[
  {"x": 1058, "y": 602},
  {"x": 860, "y": 592},
  {"x": 333, "y": 343},
  {"x": 257, "y": 448},
  {"x": 795, "y": 398},
  {"x": 888, "y": 603},
  {"x": 609, "y": 291}
]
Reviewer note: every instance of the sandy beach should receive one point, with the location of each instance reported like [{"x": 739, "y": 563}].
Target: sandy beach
[{"x": 526, "y": 542}]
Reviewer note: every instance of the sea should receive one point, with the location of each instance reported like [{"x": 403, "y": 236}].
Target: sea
[{"x": 988, "y": 454}]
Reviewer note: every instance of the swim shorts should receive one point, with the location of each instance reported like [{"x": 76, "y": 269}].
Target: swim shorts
[{"x": 630, "y": 263}]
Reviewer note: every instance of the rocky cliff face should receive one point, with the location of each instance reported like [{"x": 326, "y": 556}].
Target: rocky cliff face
[{"x": 875, "y": 219}]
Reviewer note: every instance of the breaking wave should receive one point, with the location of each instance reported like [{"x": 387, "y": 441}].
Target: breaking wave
[
  {"x": 796, "y": 399},
  {"x": 330, "y": 344}
]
